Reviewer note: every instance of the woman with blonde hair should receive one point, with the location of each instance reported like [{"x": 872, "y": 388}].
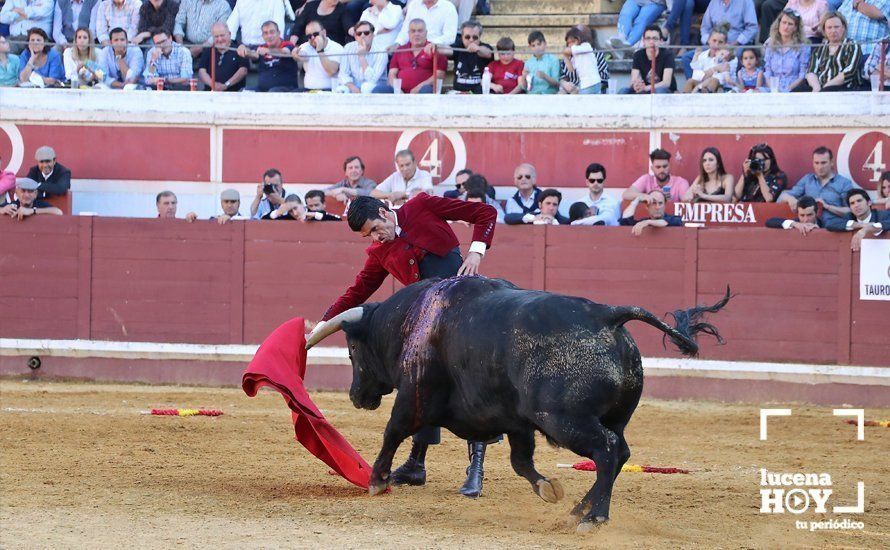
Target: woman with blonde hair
[
  {"x": 786, "y": 52},
  {"x": 834, "y": 64},
  {"x": 80, "y": 60}
]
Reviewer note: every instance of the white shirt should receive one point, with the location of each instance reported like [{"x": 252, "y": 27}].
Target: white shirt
[
  {"x": 316, "y": 77},
  {"x": 390, "y": 17},
  {"x": 76, "y": 7},
  {"x": 585, "y": 65},
  {"x": 441, "y": 21},
  {"x": 249, "y": 15},
  {"x": 608, "y": 210},
  {"x": 40, "y": 14},
  {"x": 420, "y": 181}
]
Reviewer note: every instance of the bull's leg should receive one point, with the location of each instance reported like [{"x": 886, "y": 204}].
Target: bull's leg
[
  {"x": 522, "y": 450},
  {"x": 397, "y": 430}
]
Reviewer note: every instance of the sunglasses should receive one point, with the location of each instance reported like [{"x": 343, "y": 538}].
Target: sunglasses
[
  {"x": 790, "y": 11},
  {"x": 596, "y": 180},
  {"x": 362, "y": 33},
  {"x": 524, "y": 177},
  {"x": 459, "y": 185},
  {"x": 313, "y": 34},
  {"x": 471, "y": 37}
]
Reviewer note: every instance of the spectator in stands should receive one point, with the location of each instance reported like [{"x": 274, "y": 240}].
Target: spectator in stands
[
  {"x": 601, "y": 208},
  {"x": 320, "y": 57},
  {"x": 547, "y": 210},
  {"x": 82, "y": 62},
  {"x": 740, "y": 16},
  {"x": 468, "y": 65},
  {"x": 251, "y": 16},
  {"x": 269, "y": 194},
  {"x": 809, "y": 13},
  {"x": 7, "y": 180},
  {"x": 169, "y": 61},
  {"x": 439, "y": 17},
  {"x": 712, "y": 184},
  {"x": 354, "y": 183},
  {"x": 387, "y": 19},
  {"x": 767, "y": 11},
  {"x": 526, "y": 199},
  {"x": 714, "y": 67},
  {"x": 505, "y": 72},
  {"x": 415, "y": 68},
  {"x": 405, "y": 182},
  {"x": 24, "y": 15},
  {"x": 315, "y": 207},
  {"x": 834, "y": 67},
  {"x": 291, "y": 209},
  {"x": 642, "y": 79},
  {"x": 277, "y": 69},
  {"x": 112, "y": 14},
  {"x": 883, "y": 200},
  {"x": 786, "y": 53},
  {"x": 633, "y": 20},
  {"x": 761, "y": 179},
  {"x": 9, "y": 65},
  {"x": 360, "y": 70},
  {"x": 541, "y": 73},
  {"x": 459, "y": 191},
  {"x": 230, "y": 201},
  {"x": 41, "y": 64},
  {"x": 580, "y": 57},
  {"x": 27, "y": 204},
  {"x": 331, "y": 15},
  {"x": 477, "y": 184},
  {"x": 872, "y": 69},
  {"x": 655, "y": 201},
  {"x": 166, "y": 203},
  {"x": 70, "y": 15},
  {"x": 862, "y": 218},
  {"x": 569, "y": 83},
  {"x": 749, "y": 77},
  {"x": 867, "y": 22},
  {"x": 53, "y": 178},
  {"x": 195, "y": 21},
  {"x": 123, "y": 61},
  {"x": 156, "y": 14},
  {"x": 824, "y": 185},
  {"x": 675, "y": 187},
  {"x": 680, "y": 15},
  {"x": 807, "y": 219},
  {"x": 230, "y": 69}
]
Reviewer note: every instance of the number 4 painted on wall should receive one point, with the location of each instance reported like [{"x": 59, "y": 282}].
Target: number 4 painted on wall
[
  {"x": 430, "y": 159},
  {"x": 875, "y": 161}
]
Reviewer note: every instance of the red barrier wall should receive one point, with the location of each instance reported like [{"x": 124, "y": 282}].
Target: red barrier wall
[{"x": 170, "y": 281}]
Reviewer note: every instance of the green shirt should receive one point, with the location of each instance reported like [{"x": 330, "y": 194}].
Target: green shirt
[{"x": 549, "y": 65}]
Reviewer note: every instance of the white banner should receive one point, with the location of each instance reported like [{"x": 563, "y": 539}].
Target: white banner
[{"x": 874, "y": 270}]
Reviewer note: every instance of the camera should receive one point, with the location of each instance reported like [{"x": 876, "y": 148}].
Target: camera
[
  {"x": 268, "y": 189},
  {"x": 756, "y": 165}
]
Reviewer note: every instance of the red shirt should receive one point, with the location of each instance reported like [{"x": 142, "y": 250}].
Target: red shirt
[
  {"x": 414, "y": 69},
  {"x": 506, "y": 75},
  {"x": 424, "y": 224}
]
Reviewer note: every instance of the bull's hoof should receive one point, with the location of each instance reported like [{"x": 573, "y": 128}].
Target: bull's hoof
[
  {"x": 376, "y": 489},
  {"x": 550, "y": 490},
  {"x": 589, "y": 525}
]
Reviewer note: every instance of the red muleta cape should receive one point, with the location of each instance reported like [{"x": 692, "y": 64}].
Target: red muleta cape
[{"x": 280, "y": 363}]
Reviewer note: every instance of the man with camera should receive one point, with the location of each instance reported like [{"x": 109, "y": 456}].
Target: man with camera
[{"x": 269, "y": 195}]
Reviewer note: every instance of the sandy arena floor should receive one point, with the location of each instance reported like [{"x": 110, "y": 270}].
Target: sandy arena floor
[{"x": 79, "y": 467}]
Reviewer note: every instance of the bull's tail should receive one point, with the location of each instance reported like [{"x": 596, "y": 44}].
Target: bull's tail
[{"x": 688, "y": 323}]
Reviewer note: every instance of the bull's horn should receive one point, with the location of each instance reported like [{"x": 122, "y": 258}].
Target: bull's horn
[{"x": 325, "y": 329}]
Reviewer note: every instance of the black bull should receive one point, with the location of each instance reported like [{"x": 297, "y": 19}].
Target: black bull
[{"x": 482, "y": 357}]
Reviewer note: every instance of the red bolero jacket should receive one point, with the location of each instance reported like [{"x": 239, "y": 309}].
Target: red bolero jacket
[{"x": 424, "y": 228}]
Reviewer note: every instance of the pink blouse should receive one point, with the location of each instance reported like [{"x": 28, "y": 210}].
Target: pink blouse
[{"x": 809, "y": 15}]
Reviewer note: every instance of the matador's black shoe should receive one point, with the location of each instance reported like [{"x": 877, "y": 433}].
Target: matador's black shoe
[
  {"x": 411, "y": 472},
  {"x": 472, "y": 487}
]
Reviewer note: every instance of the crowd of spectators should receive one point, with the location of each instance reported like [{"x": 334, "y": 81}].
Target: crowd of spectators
[
  {"x": 820, "y": 199},
  {"x": 383, "y": 46}
]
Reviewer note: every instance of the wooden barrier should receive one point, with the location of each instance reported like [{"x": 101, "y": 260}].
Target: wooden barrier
[{"x": 170, "y": 281}]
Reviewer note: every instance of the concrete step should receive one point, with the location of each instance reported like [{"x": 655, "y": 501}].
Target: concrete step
[
  {"x": 547, "y": 20},
  {"x": 553, "y": 7}
]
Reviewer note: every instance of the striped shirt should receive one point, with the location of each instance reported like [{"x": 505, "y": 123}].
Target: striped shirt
[
  {"x": 109, "y": 16},
  {"x": 195, "y": 18},
  {"x": 862, "y": 28},
  {"x": 176, "y": 65},
  {"x": 845, "y": 61}
]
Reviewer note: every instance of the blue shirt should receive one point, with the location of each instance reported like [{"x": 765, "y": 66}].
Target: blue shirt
[
  {"x": 549, "y": 65},
  {"x": 133, "y": 58},
  {"x": 52, "y": 68},
  {"x": 739, "y": 14},
  {"x": 9, "y": 75},
  {"x": 834, "y": 192}
]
